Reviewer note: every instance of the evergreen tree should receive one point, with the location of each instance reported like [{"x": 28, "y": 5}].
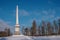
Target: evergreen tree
[{"x": 34, "y": 28}]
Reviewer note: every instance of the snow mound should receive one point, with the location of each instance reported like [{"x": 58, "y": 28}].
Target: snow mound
[
  {"x": 18, "y": 37},
  {"x": 22, "y": 37}
]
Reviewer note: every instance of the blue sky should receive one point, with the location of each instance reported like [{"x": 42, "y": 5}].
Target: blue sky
[{"x": 29, "y": 10}]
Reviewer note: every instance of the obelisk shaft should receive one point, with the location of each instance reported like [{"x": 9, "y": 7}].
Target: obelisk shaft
[{"x": 17, "y": 14}]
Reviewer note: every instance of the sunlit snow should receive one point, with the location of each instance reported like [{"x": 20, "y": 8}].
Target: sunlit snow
[{"x": 22, "y": 37}]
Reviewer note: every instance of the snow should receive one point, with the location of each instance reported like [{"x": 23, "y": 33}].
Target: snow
[
  {"x": 22, "y": 37},
  {"x": 16, "y": 37}
]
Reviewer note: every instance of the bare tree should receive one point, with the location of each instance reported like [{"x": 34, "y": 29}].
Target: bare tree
[
  {"x": 26, "y": 31},
  {"x": 7, "y": 30},
  {"x": 43, "y": 27},
  {"x": 59, "y": 26},
  {"x": 39, "y": 31},
  {"x": 49, "y": 28},
  {"x": 55, "y": 27},
  {"x": 43, "y": 32},
  {"x": 23, "y": 31}
]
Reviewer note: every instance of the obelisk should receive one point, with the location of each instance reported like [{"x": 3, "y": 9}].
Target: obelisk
[{"x": 17, "y": 29}]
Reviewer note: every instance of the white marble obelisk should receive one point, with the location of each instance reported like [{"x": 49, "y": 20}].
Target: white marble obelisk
[{"x": 17, "y": 29}]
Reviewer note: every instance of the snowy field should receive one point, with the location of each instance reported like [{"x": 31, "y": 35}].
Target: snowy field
[{"x": 22, "y": 37}]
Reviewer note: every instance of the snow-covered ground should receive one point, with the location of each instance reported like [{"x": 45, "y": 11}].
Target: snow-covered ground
[{"x": 22, "y": 37}]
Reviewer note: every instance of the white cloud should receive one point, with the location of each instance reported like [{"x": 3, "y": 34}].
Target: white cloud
[
  {"x": 57, "y": 18},
  {"x": 23, "y": 13},
  {"x": 51, "y": 2},
  {"x": 49, "y": 12},
  {"x": 51, "y": 16},
  {"x": 47, "y": 18},
  {"x": 45, "y": 12}
]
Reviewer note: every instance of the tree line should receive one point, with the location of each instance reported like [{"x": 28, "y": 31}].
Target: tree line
[
  {"x": 5, "y": 33},
  {"x": 44, "y": 29}
]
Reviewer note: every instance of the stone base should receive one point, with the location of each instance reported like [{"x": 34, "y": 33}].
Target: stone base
[{"x": 17, "y": 33}]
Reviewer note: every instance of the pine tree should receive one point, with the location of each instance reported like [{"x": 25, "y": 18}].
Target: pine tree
[{"x": 34, "y": 28}]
